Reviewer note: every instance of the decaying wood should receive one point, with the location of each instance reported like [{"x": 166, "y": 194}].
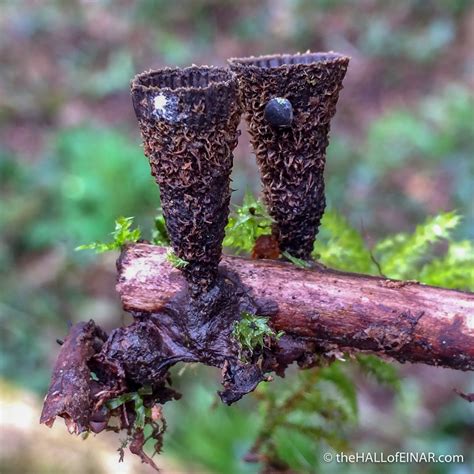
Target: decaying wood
[
  {"x": 69, "y": 395},
  {"x": 323, "y": 314},
  {"x": 338, "y": 311}
]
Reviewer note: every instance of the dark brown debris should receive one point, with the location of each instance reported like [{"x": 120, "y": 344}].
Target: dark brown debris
[{"x": 69, "y": 394}]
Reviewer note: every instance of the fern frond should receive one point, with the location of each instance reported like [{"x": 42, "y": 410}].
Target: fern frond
[
  {"x": 383, "y": 372},
  {"x": 341, "y": 246},
  {"x": 344, "y": 385},
  {"x": 159, "y": 234},
  {"x": 400, "y": 255},
  {"x": 454, "y": 270},
  {"x": 248, "y": 222},
  {"x": 331, "y": 438},
  {"x": 123, "y": 234}
]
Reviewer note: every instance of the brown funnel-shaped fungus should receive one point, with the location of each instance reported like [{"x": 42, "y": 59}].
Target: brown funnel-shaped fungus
[
  {"x": 188, "y": 120},
  {"x": 288, "y": 103}
]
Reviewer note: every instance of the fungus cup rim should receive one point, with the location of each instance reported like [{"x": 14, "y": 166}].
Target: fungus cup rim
[
  {"x": 225, "y": 78},
  {"x": 285, "y": 61}
]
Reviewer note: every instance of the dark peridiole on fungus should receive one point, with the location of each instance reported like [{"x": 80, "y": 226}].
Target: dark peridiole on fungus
[
  {"x": 290, "y": 142},
  {"x": 188, "y": 120}
]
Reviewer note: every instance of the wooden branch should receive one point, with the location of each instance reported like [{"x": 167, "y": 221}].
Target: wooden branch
[{"x": 340, "y": 311}]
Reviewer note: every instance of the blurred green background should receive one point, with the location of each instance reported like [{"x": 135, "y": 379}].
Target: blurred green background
[{"x": 402, "y": 146}]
